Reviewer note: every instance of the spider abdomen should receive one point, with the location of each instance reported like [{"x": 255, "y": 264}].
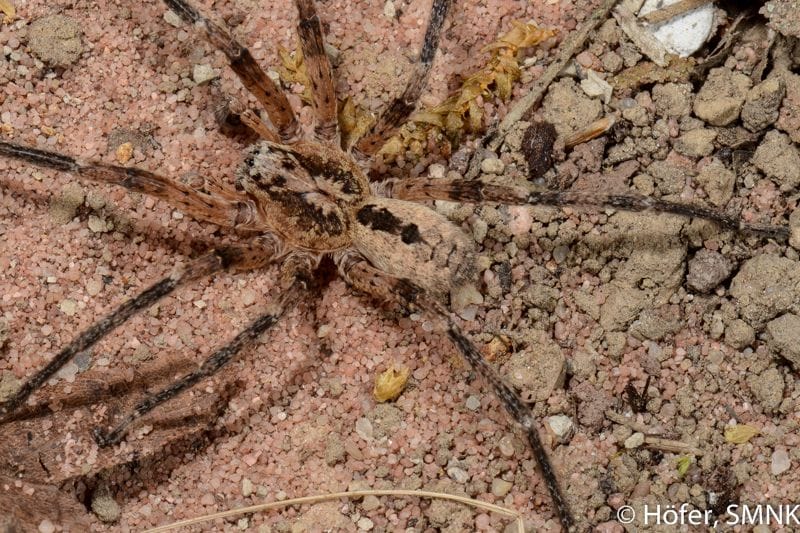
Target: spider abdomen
[{"x": 410, "y": 241}]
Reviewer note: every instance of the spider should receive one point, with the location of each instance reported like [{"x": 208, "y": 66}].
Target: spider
[{"x": 307, "y": 205}]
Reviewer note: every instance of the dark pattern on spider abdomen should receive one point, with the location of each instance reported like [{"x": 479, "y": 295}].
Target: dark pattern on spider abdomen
[
  {"x": 411, "y": 241},
  {"x": 304, "y": 191}
]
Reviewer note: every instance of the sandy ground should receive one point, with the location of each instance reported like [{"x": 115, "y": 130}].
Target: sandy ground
[{"x": 302, "y": 419}]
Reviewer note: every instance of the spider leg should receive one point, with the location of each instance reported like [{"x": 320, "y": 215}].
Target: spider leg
[
  {"x": 477, "y": 192},
  {"x": 318, "y": 67},
  {"x": 232, "y": 110},
  {"x": 296, "y": 275},
  {"x": 244, "y": 65},
  {"x": 363, "y": 277},
  {"x": 268, "y": 248},
  {"x": 402, "y": 106},
  {"x": 224, "y": 208}
]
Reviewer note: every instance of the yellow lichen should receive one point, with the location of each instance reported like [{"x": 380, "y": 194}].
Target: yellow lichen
[
  {"x": 445, "y": 123},
  {"x": 9, "y": 12},
  {"x": 740, "y": 433},
  {"x": 292, "y": 69},
  {"x": 390, "y": 383},
  {"x": 124, "y": 152},
  {"x": 462, "y": 112},
  {"x": 354, "y": 122},
  {"x": 683, "y": 464}
]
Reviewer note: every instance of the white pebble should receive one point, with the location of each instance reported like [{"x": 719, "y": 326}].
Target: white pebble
[
  {"x": 682, "y": 35},
  {"x": 364, "y": 428},
  {"x": 172, "y": 18},
  {"x": 459, "y": 475},
  {"x": 365, "y": 524},
  {"x": 68, "y": 307},
  {"x": 500, "y": 487},
  {"x": 203, "y": 73},
  {"x": 635, "y": 440},
  {"x": 492, "y": 165},
  {"x": 562, "y": 427},
  {"x": 780, "y": 461},
  {"x": 473, "y": 403},
  {"x": 436, "y": 171},
  {"x": 247, "y": 487}
]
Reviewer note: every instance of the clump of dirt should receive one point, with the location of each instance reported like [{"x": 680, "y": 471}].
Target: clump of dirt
[{"x": 56, "y": 40}]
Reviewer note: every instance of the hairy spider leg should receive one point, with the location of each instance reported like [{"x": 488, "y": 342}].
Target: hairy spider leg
[
  {"x": 247, "y": 257},
  {"x": 298, "y": 268},
  {"x": 320, "y": 74},
  {"x": 476, "y": 192},
  {"x": 401, "y": 107},
  {"x": 222, "y": 207},
  {"x": 242, "y": 62},
  {"x": 362, "y": 276}
]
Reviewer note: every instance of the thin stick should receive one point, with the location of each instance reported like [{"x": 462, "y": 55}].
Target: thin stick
[
  {"x": 568, "y": 49},
  {"x": 352, "y": 494},
  {"x": 644, "y": 40},
  {"x": 674, "y": 446},
  {"x": 627, "y": 422},
  {"x": 671, "y": 11}
]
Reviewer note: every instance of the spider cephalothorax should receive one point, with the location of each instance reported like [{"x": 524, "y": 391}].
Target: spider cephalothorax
[{"x": 311, "y": 200}]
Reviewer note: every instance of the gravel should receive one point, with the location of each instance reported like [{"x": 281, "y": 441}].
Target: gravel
[{"x": 289, "y": 425}]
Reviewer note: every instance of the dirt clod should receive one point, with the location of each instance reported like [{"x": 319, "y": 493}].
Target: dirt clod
[
  {"x": 779, "y": 159},
  {"x": 766, "y": 286},
  {"x": 783, "y": 332},
  {"x": 722, "y": 96},
  {"x": 104, "y": 505},
  {"x": 768, "y": 388},
  {"x": 762, "y": 104},
  {"x": 64, "y": 207},
  {"x": 56, "y": 40},
  {"x": 538, "y": 370},
  {"x": 717, "y": 181},
  {"x": 707, "y": 269}
]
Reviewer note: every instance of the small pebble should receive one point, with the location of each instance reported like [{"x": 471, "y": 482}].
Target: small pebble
[
  {"x": 501, "y": 487},
  {"x": 780, "y": 461},
  {"x": 93, "y": 287},
  {"x": 506, "y": 446},
  {"x": 562, "y": 427},
  {"x": 560, "y": 254},
  {"x": 473, "y": 403},
  {"x": 370, "y": 503},
  {"x": 634, "y": 441},
  {"x": 46, "y": 526},
  {"x": 457, "y": 474},
  {"x": 247, "y": 487},
  {"x": 172, "y": 18},
  {"x": 203, "y": 73},
  {"x": 68, "y": 307},
  {"x": 365, "y": 524},
  {"x": 492, "y": 165},
  {"x": 364, "y": 428},
  {"x": 97, "y": 224},
  {"x": 436, "y": 171}
]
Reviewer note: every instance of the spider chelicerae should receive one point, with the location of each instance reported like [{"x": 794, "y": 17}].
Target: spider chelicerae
[{"x": 308, "y": 205}]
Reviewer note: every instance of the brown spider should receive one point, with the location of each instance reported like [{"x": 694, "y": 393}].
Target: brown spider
[{"x": 309, "y": 203}]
